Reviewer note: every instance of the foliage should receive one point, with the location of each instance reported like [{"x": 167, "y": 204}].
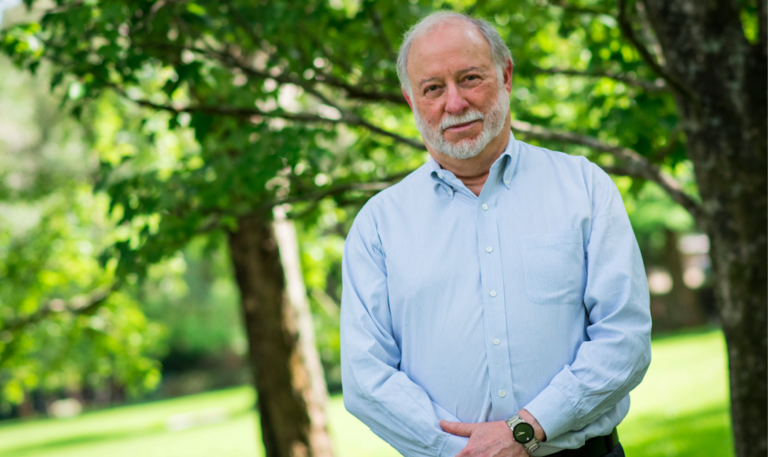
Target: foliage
[
  {"x": 203, "y": 111},
  {"x": 194, "y": 294},
  {"x": 53, "y": 335},
  {"x": 296, "y": 101}
]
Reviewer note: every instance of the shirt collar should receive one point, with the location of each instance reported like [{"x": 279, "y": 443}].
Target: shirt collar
[{"x": 507, "y": 160}]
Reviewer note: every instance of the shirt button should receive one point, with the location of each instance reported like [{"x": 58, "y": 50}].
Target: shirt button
[
  {"x": 488, "y": 249},
  {"x": 506, "y": 182},
  {"x": 493, "y": 293},
  {"x": 440, "y": 175},
  {"x": 502, "y": 393},
  {"x": 485, "y": 207},
  {"x": 496, "y": 341}
]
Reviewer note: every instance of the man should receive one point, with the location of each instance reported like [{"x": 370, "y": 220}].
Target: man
[{"x": 495, "y": 302}]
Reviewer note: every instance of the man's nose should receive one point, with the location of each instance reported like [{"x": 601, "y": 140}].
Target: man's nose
[{"x": 455, "y": 102}]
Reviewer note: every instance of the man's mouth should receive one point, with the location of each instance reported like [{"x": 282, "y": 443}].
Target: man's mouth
[{"x": 462, "y": 127}]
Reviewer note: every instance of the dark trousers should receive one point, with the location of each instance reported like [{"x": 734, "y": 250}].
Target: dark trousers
[{"x": 617, "y": 451}]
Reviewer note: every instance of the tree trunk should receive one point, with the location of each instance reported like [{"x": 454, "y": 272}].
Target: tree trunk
[
  {"x": 288, "y": 243},
  {"x": 290, "y": 400},
  {"x": 724, "y": 114},
  {"x": 683, "y": 305}
]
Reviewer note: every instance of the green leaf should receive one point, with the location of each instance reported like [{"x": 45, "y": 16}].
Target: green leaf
[{"x": 202, "y": 124}]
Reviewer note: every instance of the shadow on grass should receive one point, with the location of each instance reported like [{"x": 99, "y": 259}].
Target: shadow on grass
[
  {"x": 684, "y": 333},
  {"x": 704, "y": 433},
  {"x": 100, "y": 437}
]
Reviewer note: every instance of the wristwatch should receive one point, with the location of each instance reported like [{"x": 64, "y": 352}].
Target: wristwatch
[{"x": 522, "y": 431}]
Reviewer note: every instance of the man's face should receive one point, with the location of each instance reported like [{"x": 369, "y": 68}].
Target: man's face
[{"x": 458, "y": 100}]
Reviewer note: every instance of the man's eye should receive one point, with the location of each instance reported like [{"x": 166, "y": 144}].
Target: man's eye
[
  {"x": 430, "y": 88},
  {"x": 471, "y": 77}
]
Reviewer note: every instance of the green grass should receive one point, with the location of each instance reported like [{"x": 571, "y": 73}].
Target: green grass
[{"x": 680, "y": 409}]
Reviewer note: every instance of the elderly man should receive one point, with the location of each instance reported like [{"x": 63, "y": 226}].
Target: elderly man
[{"x": 495, "y": 302}]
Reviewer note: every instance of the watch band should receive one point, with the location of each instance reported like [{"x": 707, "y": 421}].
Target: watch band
[{"x": 530, "y": 445}]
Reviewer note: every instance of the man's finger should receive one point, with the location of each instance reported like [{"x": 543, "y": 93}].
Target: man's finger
[{"x": 457, "y": 428}]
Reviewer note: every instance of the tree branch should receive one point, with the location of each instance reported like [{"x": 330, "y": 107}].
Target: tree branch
[
  {"x": 229, "y": 60},
  {"x": 674, "y": 138},
  {"x": 762, "y": 23},
  {"x": 650, "y": 86},
  {"x": 352, "y": 91},
  {"x": 648, "y": 34},
  {"x": 359, "y": 93},
  {"x": 347, "y": 118},
  {"x": 566, "y": 6},
  {"x": 407, "y": 141},
  {"x": 75, "y": 306},
  {"x": 283, "y": 78},
  {"x": 634, "y": 164},
  {"x": 379, "y": 28},
  {"x": 629, "y": 33},
  {"x": 346, "y": 187}
]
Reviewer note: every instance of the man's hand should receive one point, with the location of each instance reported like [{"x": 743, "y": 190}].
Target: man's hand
[{"x": 486, "y": 439}]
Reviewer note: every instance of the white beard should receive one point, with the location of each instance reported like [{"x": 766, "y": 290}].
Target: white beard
[{"x": 467, "y": 148}]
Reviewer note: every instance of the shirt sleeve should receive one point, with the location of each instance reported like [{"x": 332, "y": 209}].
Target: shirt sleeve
[
  {"x": 617, "y": 353},
  {"x": 375, "y": 390}
]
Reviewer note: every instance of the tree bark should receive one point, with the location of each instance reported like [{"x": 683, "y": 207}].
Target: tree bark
[
  {"x": 293, "y": 420},
  {"x": 725, "y": 119},
  {"x": 288, "y": 243}
]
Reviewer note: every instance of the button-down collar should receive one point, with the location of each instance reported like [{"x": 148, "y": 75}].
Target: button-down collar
[{"x": 449, "y": 183}]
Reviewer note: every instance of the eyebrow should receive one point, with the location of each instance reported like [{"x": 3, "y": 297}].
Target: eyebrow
[
  {"x": 423, "y": 81},
  {"x": 460, "y": 72},
  {"x": 469, "y": 69}
]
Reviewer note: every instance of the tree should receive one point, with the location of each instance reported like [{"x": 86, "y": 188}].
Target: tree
[
  {"x": 719, "y": 85},
  {"x": 304, "y": 96}
]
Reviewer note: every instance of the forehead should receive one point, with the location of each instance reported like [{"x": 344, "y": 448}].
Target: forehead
[{"x": 447, "y": 48}]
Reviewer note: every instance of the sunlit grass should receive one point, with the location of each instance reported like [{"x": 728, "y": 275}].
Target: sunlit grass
[{"x": 679, "y": 410}]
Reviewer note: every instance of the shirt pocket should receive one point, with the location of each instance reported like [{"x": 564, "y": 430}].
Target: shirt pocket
[{"x": 554, "y": 267}]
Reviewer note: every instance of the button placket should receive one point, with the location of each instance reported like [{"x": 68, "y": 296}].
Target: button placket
[{"x": 494, "y": 306}]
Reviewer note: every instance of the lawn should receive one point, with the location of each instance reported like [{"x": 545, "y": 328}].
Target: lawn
[{"x": 680, "y": 409}]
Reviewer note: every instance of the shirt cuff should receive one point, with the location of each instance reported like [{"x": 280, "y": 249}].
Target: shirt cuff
[
  {"x": 453, "y": 445},
  {"x": 553, "y": 410}
]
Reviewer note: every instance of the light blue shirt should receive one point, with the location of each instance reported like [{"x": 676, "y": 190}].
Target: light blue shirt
[{"x": 465, "y": 308}]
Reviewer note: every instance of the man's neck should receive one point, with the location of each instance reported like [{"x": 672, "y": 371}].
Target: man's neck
[{"x": 473, "y": 172}]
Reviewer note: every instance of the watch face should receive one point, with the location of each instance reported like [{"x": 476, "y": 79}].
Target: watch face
[{"x": 523, "y": 432}]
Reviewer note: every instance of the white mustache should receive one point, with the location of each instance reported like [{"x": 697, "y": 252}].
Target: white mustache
[{"x": 461, "y": 119}]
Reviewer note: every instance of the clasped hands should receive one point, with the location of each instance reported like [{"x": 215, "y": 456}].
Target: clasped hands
[{"x": 491, "y": 439}]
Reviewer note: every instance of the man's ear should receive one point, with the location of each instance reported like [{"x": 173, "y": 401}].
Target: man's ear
[
  {"x": 508, "y": 75},
  {"x": 407, "y": 98}
]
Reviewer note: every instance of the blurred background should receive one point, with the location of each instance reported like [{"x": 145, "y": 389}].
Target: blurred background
[{"x": 154, "y": 155}]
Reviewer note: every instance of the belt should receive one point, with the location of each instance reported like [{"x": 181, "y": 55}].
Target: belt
[{"x": 593, "y": 447}]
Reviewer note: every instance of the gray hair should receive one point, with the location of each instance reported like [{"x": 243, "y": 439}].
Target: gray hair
[{"x": 499, "y": 51}]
